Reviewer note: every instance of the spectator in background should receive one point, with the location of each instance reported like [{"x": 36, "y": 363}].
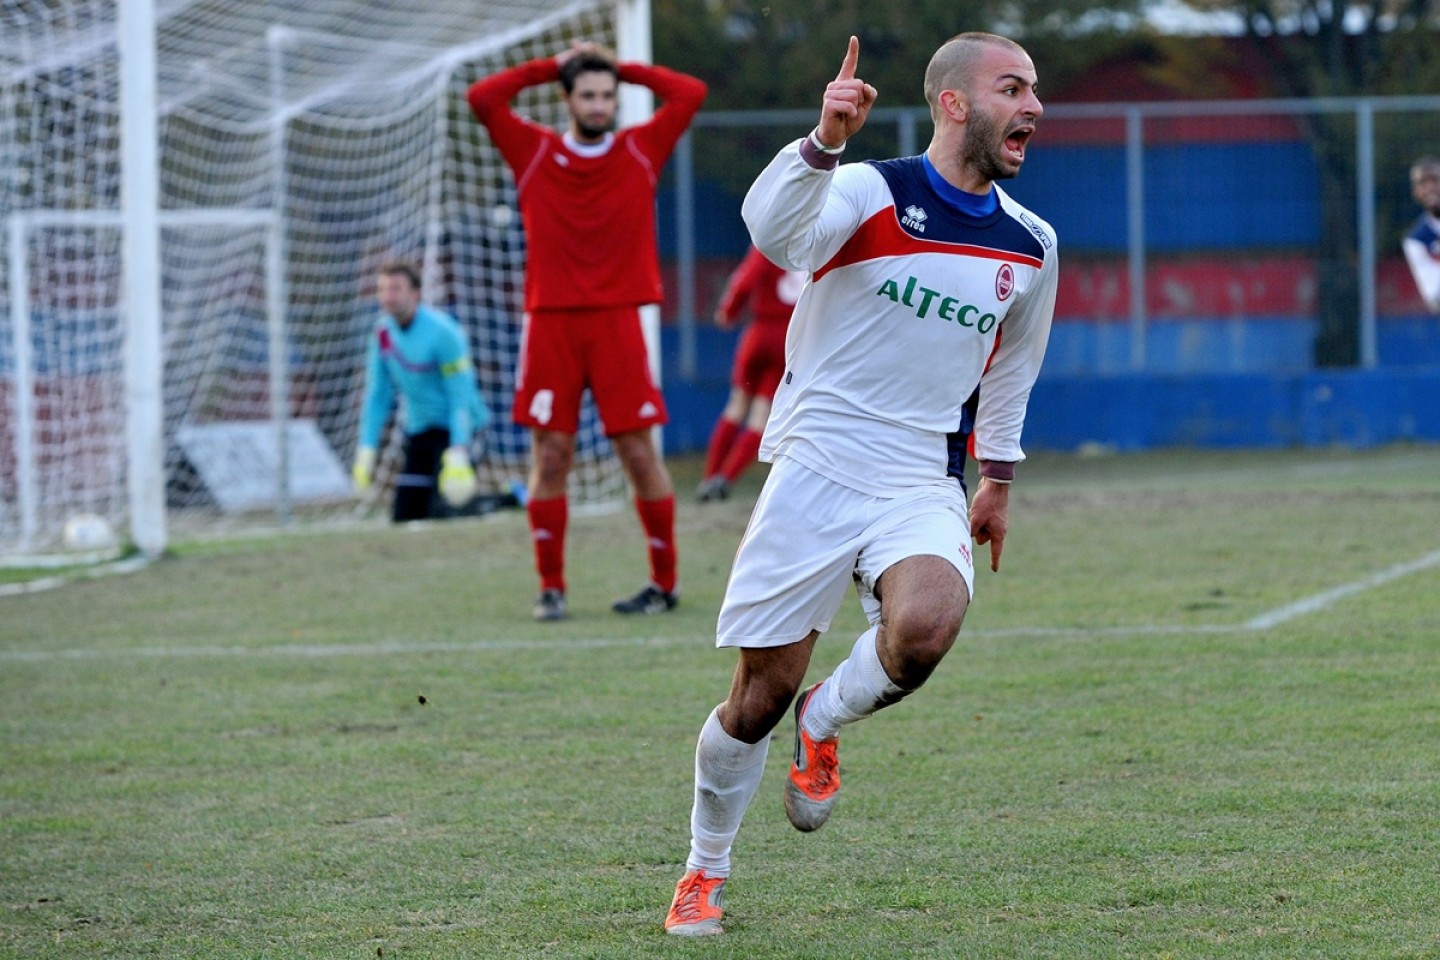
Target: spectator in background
[
  {"x": 419, "y": 353},
  {"x": 1422, "y": 243},
  {"x": 771, "y": 293},
  {"x": 587, "y": 201}
]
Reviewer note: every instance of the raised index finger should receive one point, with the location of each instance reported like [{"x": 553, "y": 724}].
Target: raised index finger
[{"x": 852, "y": 57}]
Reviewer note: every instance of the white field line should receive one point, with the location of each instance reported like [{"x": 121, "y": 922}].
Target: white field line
[
  {"x": 1324, "y": 599},
  {"x": 128, "y": 565},
  {"x": 1265, "y": 621}
]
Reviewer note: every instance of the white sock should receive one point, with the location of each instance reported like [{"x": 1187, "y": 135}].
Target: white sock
[
  {"x": 727, "y": 771},
  {"x": 857, "y": 688}
]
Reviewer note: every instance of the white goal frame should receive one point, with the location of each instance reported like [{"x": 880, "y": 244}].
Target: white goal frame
[{"x": 140, "y": 221}]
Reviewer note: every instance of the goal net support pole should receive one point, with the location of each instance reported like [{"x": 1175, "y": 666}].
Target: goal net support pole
[
  {"x": 140, "y": 206},
  {"x": 637, "y": 103}
]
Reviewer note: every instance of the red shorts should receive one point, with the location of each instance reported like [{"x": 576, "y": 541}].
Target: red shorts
[
  {"x": 760, "y": 359},
  {"x": 562, "y": 352}
]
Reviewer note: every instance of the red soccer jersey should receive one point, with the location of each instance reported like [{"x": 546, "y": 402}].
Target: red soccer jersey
[
  {"x": 770, "y": 291},
  {"x": 589, "y": 219}
]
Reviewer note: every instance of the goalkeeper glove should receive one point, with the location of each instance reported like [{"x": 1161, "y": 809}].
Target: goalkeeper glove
[
  {"x": 364, "y": 470},
  {"x": 457, "y": 477}
]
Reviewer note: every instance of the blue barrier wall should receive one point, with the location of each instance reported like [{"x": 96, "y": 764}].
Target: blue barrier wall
[
  {"x": 1198, "y": 196},
  {"x": 1358, "y": 408},
  {"x": 1353, "y": 408}
]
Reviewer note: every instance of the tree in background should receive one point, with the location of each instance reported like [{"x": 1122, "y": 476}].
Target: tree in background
[
  {"x": 768, "y": 54},
  {"x": 757, "y": 54}
]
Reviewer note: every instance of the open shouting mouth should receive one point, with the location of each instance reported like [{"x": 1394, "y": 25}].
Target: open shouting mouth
[{"x": 1016, "y": 139}]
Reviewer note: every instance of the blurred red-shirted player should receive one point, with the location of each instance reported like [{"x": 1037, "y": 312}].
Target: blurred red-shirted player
[
  {"x": 759, "y": 363},
  {"x": 587, "y": 202}
]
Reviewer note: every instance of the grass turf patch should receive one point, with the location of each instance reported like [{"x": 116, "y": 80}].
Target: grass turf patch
[{"x": 227, "y": 754}]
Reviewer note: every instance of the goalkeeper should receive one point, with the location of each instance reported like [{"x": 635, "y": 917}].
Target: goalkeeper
[{"x": 422, "y": 354}]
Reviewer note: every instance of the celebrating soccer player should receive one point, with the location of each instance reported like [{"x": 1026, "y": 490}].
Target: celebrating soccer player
[
  {"x": 926, "y": 279},
  {"x": 587, "y": 201}
]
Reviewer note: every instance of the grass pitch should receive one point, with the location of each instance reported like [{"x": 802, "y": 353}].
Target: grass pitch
[{"x": 1195, "y": 716}]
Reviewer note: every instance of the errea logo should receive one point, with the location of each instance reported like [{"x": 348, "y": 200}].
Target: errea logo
[{"x": 914, "y": 218}]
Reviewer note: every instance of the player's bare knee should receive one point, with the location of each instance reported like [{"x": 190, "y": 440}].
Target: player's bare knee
[
  {"x": 932, "y": 627},
  {"x": 552, "y": 457},
  {"x": 911, "y": 648},
  {"x": 751, "y": 714}
]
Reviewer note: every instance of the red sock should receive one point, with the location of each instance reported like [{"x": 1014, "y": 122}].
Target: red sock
[
  {"x": 547, "y": 528},
  {"x": 742, "y": 453},
  {"x": 720, "y": 440},
  {"x": 658, "y": 519}
]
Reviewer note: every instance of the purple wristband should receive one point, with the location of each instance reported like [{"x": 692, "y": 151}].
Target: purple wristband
[
  {"x": 816, "y": 157},
  {"x": 998, "y": 470}
]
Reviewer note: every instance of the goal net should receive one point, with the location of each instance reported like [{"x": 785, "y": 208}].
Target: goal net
[{"x": 301, "y": 145}]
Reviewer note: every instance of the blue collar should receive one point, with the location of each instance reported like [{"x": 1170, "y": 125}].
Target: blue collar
[{"x": 970, "y": 204}]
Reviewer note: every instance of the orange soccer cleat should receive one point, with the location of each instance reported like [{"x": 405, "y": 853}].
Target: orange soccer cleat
[
  {"x": 696, "y": 909},
  {"x": 814, "y": 781}
]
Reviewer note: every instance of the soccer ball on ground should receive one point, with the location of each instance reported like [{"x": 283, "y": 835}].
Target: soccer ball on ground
[{"x": 86, "y": 531}]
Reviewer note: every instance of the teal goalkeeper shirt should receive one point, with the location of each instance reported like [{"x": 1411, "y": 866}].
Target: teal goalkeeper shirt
[{"x": 429, "y": 365}]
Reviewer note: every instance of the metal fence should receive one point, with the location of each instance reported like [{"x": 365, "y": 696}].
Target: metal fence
[{"x": 1232, "y": 236}]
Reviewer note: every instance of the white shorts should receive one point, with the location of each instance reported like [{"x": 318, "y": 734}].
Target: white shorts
[{"x": 810, "y": 537}]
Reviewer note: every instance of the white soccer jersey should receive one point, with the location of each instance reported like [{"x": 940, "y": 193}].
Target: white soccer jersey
[
  {"x": 1422, "y": 252},
  {"x": 910, "y": 305}
]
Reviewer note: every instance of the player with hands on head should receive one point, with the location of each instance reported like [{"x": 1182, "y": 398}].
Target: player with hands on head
[
  {"x": 926, "y": 281},
  {"x": 587, "y": 203},
  {"x": 420, "y": 353}
]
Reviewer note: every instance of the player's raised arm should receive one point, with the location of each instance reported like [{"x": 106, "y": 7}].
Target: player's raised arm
[{"x": 848, "y": 100}]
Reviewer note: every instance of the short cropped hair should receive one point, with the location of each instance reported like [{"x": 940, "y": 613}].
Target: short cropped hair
[
  {"x": 952, "y": 66},
  {"x": 586, "y": 63},
  {"x": 402, "y": 268}
]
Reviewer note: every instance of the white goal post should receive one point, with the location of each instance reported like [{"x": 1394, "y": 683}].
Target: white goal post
[{"x": 191, "y": 241}]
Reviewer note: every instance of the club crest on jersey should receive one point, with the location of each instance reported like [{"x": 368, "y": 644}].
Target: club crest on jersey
[
  {"x": 914, "y": 218},
  {"x": 1004, "y": 282}
]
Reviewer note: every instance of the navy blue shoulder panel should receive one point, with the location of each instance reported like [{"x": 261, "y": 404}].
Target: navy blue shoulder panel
[
  {"x": 926, "y": 215},
  {"x": 957, "y": 444},
  {"x": 1422, "y": 230}
]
